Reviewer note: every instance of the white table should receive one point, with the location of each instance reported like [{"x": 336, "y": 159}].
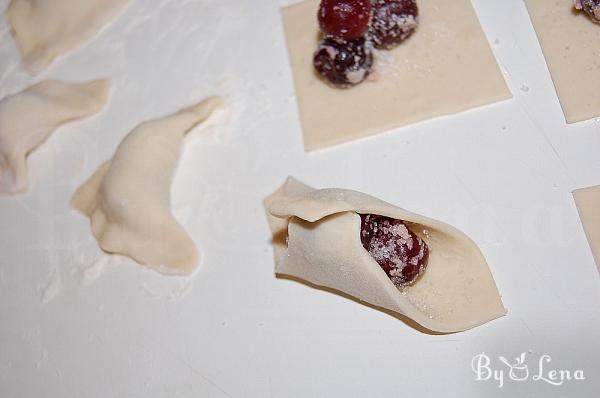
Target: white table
[{"x": 74, "y": 323}]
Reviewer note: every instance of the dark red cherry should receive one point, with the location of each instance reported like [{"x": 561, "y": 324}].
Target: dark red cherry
[
  {"x": 344, "y": 19},
  {"x": 398, "y": 251},
  {"x": 366, "y": 230},
  {"x": 592, "y": 8},
  {"x": 343, "y": 63},
  {"x": 393, "y": 22}
]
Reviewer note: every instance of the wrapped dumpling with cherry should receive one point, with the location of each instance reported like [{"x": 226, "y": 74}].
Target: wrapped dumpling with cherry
[{"x": 382, "y": 255}]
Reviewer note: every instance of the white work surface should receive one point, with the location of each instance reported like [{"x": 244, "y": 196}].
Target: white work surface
[{"x": 77, "y": 323}]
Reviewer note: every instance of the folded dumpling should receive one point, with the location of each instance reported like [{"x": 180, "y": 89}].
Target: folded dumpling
[
  {"x": 45, "y": 30},
  {"x": 326, "y": 237},
  {"x": 28, "y": 118},
  {"x": 128, "y": 198}
]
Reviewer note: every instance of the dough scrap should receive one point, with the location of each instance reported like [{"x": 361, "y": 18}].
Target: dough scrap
[
  {"x": 569, "y": 42},
  {"x": 456, "y": 291},
  {"x": 45, "y": 30},
  {"x": 588, "y": 205},
  {"x": 28, "y": 118},
  {"x": 446, "y": 67},
  {"x": 128, "y": 197}
]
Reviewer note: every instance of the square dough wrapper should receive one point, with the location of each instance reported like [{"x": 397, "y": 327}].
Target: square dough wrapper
[
  {"x": 588, "y": 205},
  {"x": 446, "y": 67},
  {"x": 570, "y": 41}
]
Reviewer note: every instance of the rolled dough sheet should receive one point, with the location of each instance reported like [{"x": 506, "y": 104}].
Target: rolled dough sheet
[
  {"x": 446, "y": 67},
  {"x": 588, "y": 205},
  {"x": 570, "y": 42}
]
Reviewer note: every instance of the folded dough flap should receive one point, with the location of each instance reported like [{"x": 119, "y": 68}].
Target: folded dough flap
[
  {"x": 44, "y": 30},
  {"x": 456, "y": 291},
  {"x": 28, "y": 118},
  {"x": 128, "y": 198}
]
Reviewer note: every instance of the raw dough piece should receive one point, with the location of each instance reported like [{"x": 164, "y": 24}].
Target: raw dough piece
[
  {"x": 28, "y": 118},
  {"x": 446, "y": 67},
  {"x": 569, "y": 40},
  {"x": 588, "y": 205},
  {"x": 456, "y": 291},
  {"x": 128, "y": 198},
  {"x": 45, "y": 30}
]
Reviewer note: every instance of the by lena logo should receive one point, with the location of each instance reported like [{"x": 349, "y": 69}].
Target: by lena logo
[{"x": 519, "y": 370}]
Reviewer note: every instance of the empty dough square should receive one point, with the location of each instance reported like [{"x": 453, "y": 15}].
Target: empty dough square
[
  {"x": 588, "y": 205},
  {"x": 446, "y": 67},
  {"x": 570, "y": 42}
]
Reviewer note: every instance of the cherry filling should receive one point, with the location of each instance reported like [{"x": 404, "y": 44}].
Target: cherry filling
[
  {"x": 343, "y": 63},
  {"x": 344, "y": 19},
  {"x": 393, "y": 22},
  {"x": 398, "y": 251},
  {"x": 591, "y": 7},
  {"x": 351, "y": 28}
]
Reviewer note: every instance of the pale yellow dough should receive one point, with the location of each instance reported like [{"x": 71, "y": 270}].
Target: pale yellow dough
[
  {"x": 456, "y": 291},
  {"x": 446, "y": 67},
  {"x": 128, "y": 198},
  {"x": 588, "y": 205},
  {"x": 46, "y": 29},
  {"x": 571, "y": 45},
  {"x": 28, "y": 118}
]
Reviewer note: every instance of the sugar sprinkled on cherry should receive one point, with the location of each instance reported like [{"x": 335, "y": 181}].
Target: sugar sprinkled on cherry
[
  {"x": 393, "y": 22},
  {"x": 591, "y": 8},
  {"x": 399, "y": 251},
  {"x": 343, "y": 63}
]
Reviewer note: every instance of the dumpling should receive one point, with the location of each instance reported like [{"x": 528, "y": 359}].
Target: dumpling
[
  {"x": 128, "y": 198},
  {"x": 28, "y": 118},
  {"x": 45, "y": 30},
  {"x": 319, "y": 237}
]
